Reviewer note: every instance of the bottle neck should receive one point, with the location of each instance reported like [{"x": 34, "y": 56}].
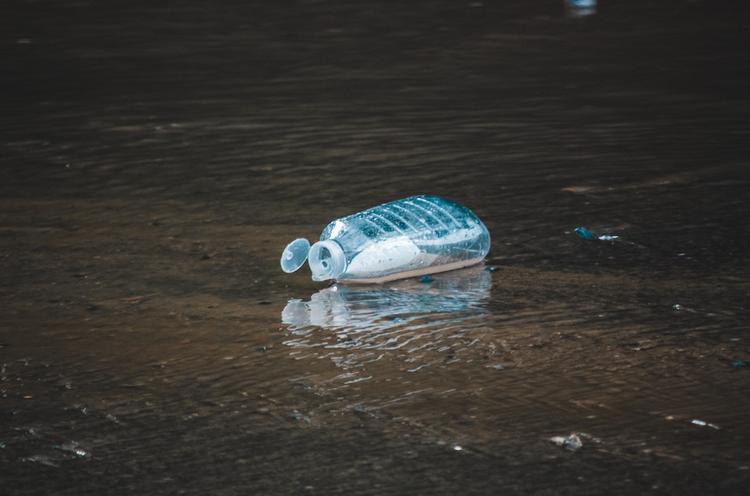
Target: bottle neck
[{"x": 327, "y": 260}]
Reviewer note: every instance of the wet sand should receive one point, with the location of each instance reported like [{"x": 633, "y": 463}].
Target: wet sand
[{"x": 156, "y": 159}]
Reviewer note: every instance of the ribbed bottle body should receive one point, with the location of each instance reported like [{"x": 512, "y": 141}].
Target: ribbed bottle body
[{"x": 415, "y": 235}]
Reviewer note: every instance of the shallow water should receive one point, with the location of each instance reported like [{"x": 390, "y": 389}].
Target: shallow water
[{"x": 156, "y": 159}]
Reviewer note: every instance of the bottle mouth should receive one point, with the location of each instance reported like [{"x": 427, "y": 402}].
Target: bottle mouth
[{"x": 327, "y": 260}]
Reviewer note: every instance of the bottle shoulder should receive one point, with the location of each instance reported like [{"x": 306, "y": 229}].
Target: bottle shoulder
[{"x": 421, "y": 217}]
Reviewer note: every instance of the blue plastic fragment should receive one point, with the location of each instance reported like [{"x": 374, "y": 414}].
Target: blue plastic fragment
[
  {"x": 584, "y": 233},
  {"x": 426, "y": 279},
  {"x": 491, "y": 268},
  {"x": 739, "y": 364}
]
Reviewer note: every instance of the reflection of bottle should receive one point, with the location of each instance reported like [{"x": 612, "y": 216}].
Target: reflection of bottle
[
  {"x": 403, "y": 238},
  {"x": 460, "y": 294}
]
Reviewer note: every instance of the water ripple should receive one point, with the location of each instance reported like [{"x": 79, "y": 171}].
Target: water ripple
[{"x": 407, "y": 315}]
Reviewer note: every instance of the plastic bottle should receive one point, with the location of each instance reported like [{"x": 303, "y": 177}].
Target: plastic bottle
[{"x": 404, "y": 238}]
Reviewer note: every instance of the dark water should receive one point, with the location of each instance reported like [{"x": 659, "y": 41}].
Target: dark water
[{"x": 157, "y": 156}]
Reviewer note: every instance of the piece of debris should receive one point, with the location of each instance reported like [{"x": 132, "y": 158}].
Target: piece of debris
[
  {"x": 426, "y": 279},
  {"x": 74, "y": 448},
  {"x": 703, "y": 423},
  {"x": 299, "y": 417},
  {"x": 738, "y": 364},
  {"x": 349, "y": 248},
  {"x": 584, "y": 233},
  {"x": 570, "y": 443}
]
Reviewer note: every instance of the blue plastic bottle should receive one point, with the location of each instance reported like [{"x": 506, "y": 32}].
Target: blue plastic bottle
[{"x": 404, "y": 238}]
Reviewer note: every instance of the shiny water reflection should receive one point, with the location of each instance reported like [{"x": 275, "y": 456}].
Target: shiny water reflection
[
  {"x": 405, "y": 327},
  {"x": 363, "y": 316}
]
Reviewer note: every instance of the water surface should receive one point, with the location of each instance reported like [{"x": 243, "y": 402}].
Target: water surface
[{"x": 157, "y": 158}]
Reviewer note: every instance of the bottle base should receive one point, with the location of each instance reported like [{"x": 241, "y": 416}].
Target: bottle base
[{"x": 414, "y": 273}]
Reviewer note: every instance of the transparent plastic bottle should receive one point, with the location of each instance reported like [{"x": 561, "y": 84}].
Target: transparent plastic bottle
[{"x": 404, "y": 238}]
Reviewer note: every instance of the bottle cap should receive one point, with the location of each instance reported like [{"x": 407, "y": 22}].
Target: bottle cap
[{"x": 295, "y": 255}]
